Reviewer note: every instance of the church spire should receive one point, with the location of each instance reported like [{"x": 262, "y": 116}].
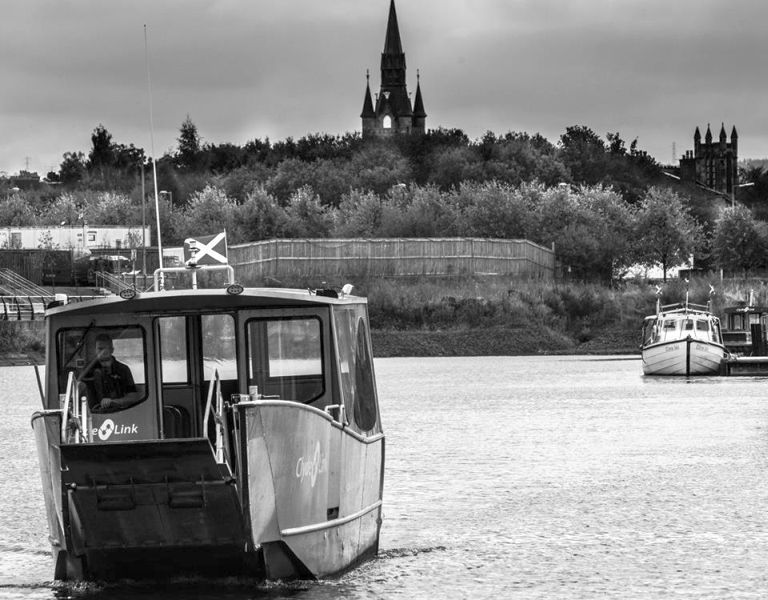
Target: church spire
[
  {"x": 393, "y": 57},
  {"x": 367, "y": 102},
  {"x": 419, "y": 114},
  {"x": 392, "y": 110},
  {"x": 418, "y": 103},
  {"x": 392, "y": 43}
]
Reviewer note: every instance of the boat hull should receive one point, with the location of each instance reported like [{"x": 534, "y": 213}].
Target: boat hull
[
  {"x": 309, "y": 504},
  {"x": 683, "y": 357},
  {"x": 321, "y": 510}
]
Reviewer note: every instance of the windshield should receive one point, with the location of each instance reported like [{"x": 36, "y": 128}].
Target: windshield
[{"x": 107, "y": 365}]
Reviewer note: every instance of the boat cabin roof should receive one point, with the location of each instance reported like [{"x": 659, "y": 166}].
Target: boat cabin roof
[
  {"x": 745, "y": 308},
  {"x": 205, "y": 299}
]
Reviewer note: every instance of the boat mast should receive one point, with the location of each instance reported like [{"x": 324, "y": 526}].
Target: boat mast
[{"x": 154, "y": 164}]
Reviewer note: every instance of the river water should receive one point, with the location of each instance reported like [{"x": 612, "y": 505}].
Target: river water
[{"x": 506, "y": 477}]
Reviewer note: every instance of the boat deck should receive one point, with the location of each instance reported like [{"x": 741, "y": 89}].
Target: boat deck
[{"x": 745, "y": 365}]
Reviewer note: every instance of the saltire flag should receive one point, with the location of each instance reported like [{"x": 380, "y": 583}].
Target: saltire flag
[{"x": 206, "y": 250}]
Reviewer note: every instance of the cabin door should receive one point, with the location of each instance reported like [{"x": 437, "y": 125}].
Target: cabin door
[{"x": 192, "y": 349}]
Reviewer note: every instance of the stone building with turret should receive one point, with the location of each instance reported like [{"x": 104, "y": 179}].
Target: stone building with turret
[
  {"x": 713, "y": 164},
  {"x": 392, "y": 112}
]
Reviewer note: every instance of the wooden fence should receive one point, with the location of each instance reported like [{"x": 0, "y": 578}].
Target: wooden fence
[{"x": 397, "y": 257}]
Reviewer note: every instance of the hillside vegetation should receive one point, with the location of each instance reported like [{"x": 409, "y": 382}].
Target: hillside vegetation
[
  {"x": 602, "y": 205},
  {"x": 493, "y": 316}
]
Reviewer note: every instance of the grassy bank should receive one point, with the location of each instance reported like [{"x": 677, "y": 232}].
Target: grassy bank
[{"x": 493, "y": 316}]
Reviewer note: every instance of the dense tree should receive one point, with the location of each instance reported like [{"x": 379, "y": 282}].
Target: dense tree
[
  {"x": 129, "y": 159},
  {"x": 15, "y": 211},
  {"x": 492, "y": 210},
  {"x": 588, "y": 226},
  {"x": 665, "y": 232},
  {"x": 378, "y": 167},
  {"x": 612, "y": 221},
  {"x": 583, "y": 153},
  {"x": 259, "y": 217},
  {"x": 207, "y": 212},
  {"x": 72, "y": 168},
  {"x": 188, "y": 145},
  {"x": 112, "y": 209},
  {"x": 102, "y": 153},
  {"x": 359, "y": 215},
  {"x": 66, "y": 210},
  {"x": 739, "y": 241},
  {"x": 452, "y": 166},
  {"x": 221, "y": 158},
  {"x": 422, "y": 212},
  {"x": 306, "y": 217}
]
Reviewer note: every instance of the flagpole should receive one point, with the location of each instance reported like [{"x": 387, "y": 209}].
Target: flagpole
[{"x": 154, "y": 164}]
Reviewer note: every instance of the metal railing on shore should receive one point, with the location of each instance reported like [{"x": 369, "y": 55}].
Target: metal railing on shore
[{"x": 31, "y": 308}]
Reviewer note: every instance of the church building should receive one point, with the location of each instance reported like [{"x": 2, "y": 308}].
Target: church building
[
  {"x": 392, "y": 112},
  {"x": 712, "y": 164}
]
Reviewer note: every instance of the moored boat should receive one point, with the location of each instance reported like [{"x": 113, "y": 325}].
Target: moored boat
[
  {"x": 210, "y": 431},
  {"x": 682, "y": 339},
  {"x": 745, "y": 327}
]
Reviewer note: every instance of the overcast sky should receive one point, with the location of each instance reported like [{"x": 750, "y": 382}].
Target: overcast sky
[{"x": 244, "y": 69}]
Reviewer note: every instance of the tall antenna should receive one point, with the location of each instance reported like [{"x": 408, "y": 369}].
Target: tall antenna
[
  {"x": 154, "y": 164},
  {"x": 674, "y": 153}
]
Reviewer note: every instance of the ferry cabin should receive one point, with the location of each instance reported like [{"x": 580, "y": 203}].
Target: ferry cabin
[
  {"x": 252, "y": 435},
  {"x": 671, "y": 327}
]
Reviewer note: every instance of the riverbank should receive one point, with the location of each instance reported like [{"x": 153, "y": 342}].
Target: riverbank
[
  {"x": 480, "y": 341},
  {"x": 490, "y": 317},
  {"x": 498, "y": 341}
]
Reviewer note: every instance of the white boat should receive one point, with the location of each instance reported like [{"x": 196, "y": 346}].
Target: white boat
[
  {"x": 682, "y": 339},
  {"x": 249, "y": 441}
]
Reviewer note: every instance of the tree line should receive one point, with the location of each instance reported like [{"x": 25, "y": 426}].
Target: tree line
[{"x": 602, "y": 204}]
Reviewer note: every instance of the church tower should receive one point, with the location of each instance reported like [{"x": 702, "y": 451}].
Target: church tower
[
  {"x": 713, "y": 164},
  {"x": 392, "y": 112}
]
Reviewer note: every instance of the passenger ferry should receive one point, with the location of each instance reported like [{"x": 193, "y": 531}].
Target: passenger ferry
[
  {"x": 210, "y": 431},
  {"x": 682, "y": 339}
]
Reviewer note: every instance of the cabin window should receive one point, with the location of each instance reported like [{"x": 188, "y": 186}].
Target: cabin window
[
  {"x": 688, "y": 325},
  {"x": 285, "y": 358},
  {"x": 173, "y": 349},
  {"x": 219, "y": 346},
  {"x": 702, "y": 326},
  {"x": 650, "y": 331},
  {"x": 357, "y": 383},
  {"x": 119, "y": 374}
]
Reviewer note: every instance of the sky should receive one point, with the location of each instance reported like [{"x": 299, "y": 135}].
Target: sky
[{"x": 650, "y": 70}]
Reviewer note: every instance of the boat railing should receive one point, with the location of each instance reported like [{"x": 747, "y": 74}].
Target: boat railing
[
  {"x": 214, "y": 389},
  {"x": 337, "y": 412},
  {"x": 75, "y": 415},
  {"x": 159, "y": 275},
  {"x": 683, "y": 307}
]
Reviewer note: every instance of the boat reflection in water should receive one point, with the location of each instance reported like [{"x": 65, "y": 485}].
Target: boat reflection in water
[
  {"x": 248, "y": 441},
  {"x": 682, "y": 339}
]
